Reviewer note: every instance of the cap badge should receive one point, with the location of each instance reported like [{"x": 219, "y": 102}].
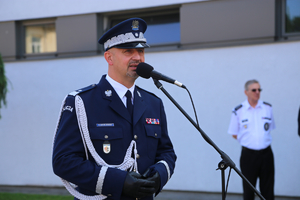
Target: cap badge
[
  {"x": 108, "y": 93},
  {"x": 135, "y": 25}
]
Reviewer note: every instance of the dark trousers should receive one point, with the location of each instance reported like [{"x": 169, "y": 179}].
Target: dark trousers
[{"x": 258, "y": 164}]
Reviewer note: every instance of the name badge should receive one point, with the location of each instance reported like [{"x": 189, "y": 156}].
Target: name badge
[{"x": 105, "y": 124}]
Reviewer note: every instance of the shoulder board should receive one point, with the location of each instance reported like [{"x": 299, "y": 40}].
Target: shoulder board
[
  {"x": 238, "y": 107},
  {"x": 146, "y": 91},
  {"x": 267, "y": 104},
  {"x": 74, "y": 93}
]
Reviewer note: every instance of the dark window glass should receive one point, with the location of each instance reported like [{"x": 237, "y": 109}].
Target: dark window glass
[
  {"x": 292, "y": 16},
  {"x": 162, "y": 29}
]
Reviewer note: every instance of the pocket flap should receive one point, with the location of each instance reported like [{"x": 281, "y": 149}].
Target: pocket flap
[
  {"x": 153, "y": 131},
  {"x": 106, "y": 133}
]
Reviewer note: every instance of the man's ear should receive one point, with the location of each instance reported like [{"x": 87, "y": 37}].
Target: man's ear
[{"x": 108, "y": 57}]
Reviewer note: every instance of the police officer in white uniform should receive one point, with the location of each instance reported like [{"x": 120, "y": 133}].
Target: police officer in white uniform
[{"x": 251, "y": 123}]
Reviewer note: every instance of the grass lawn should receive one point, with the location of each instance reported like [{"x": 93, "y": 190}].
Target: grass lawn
[{"x": 18, "y": 196}]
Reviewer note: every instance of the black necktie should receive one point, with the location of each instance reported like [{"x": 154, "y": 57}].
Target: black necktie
[{"x": 128, "y": 101}]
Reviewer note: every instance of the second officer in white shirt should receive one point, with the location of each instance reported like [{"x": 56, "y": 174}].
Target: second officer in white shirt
[{"x": 251, "y": 123}]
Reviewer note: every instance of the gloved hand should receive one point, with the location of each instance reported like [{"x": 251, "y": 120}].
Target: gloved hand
[
  {"x": 137, "y": 187},
  {"x": 155, "y": 177}
]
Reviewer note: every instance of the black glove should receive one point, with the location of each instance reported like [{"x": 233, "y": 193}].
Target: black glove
[
  {"x": 137, "y": 187},
  {"x": 155, "y": 177}
]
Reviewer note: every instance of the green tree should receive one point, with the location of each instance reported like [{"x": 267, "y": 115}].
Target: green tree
[{"x": 3, "y": 85}]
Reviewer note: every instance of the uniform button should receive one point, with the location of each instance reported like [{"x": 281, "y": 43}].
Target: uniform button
[
  {"x": 135, "y": 137},
  {"x": 137, "y": 156},
  {"x": 155, "y": 134},
  {"x": 106, "y": 136}
]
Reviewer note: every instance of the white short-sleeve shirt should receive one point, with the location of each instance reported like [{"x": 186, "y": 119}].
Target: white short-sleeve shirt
[{"x": 252, "y": 125}]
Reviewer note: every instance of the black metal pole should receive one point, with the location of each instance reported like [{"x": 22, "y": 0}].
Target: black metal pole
[{"x": 223, "y": 155}]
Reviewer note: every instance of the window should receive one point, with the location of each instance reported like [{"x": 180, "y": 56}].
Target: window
[
  {"x": 40, "y": 37},
  {"x": 292, "y": 16},
  {"x": 163, "y": 26},
  {"x": 287, "y": 19}
]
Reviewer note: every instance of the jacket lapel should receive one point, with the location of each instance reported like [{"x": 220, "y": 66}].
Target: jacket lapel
[
  {"x": 116, "y": 103},
  {"x": 139, "y": 106}
]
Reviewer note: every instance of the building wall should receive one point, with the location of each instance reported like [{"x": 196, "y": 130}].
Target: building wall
[
  {"x": 226, "y": 21},
  {"x": 214, "y": 75},
  {"x": 215, "y": 78}
]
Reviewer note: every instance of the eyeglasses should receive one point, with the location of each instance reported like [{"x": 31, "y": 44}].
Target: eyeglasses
[{"x": 254, "y": 90}]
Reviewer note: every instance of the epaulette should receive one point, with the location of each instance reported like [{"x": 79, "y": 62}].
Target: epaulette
[
  {"x": 74, "y": 93},
  {"x": 267, "y": 103},
  {"x": 236, "y": 108},
  {"x": 147, "y": 91}
]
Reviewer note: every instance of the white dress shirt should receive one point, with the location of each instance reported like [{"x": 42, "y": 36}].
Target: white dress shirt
[
  {"x": 121, "y": 89},
  {"x": 252, "y": 125}
]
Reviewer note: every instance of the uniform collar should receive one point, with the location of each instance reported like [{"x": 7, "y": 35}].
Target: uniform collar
[
  {"x": 248, "y": 106},
  {"x": 119, "y": 88}
]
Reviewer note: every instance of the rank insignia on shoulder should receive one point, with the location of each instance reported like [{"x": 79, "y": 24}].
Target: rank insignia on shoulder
[
  {"x": 69, "y": 108},
  {"x": 266, "y": 103},
  {"x": 108, "y": 93},
  {"x": 74, "y": 93},
  {"x": 152, "y": 121}
]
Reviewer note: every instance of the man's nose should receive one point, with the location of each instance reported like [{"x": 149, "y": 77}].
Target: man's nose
[{"x": 136, "y": 55}]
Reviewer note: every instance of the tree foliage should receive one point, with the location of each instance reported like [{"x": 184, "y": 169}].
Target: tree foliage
[{"x": 3, "y": 85}]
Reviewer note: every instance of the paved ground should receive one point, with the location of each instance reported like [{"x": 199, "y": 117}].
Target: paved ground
[{"x": 164, "y": 195}]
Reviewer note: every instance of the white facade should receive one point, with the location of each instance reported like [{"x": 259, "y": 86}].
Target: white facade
[{"x": 214, "y": 76}]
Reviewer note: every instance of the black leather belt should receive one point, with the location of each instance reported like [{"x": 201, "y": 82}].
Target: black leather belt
[{"x": 257, "y": 151}]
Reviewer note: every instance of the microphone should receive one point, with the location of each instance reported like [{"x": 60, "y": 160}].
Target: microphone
[{"x": 145, "y": 70}]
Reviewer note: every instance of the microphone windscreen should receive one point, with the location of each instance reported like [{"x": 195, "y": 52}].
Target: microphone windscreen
[{"x": 144, "y": 70}]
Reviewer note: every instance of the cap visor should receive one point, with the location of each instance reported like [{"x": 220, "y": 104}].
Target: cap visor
[{"x": 132, "y": 45}]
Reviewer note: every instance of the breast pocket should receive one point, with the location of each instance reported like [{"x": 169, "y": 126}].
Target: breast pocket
[
  {"x": 108, "y": 143},
  {"x": 244, "y": 125},
  {"x": 153, "y": 135}
]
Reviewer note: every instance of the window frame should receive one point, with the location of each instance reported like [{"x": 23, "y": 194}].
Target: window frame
[
  {"x": 22, "y": 46},
  {"x": 110, "y": 17},
  {"x": 281, "y": 33}
]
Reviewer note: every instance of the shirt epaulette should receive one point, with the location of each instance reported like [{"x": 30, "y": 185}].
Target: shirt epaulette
[
  {"x": 74, "y": 93},
  {"x": 267, "y": 104},
  {"x": 236, "y": 108}
]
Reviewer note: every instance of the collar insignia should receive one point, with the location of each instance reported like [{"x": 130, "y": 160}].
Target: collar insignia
[
  {"x": 139, "y": 93},
  {"x": 108, "y": 93}
]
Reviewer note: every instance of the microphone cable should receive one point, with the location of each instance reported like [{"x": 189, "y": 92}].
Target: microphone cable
[{"x": 192, "y": 105}]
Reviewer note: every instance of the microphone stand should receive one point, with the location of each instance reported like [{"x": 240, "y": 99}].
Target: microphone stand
[{"x": 226, "y": 161}]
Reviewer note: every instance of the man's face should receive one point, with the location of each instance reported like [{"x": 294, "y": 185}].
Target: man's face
[
  {"x": 253, "y": 92},
  {"x": 124, "y": 63}
]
